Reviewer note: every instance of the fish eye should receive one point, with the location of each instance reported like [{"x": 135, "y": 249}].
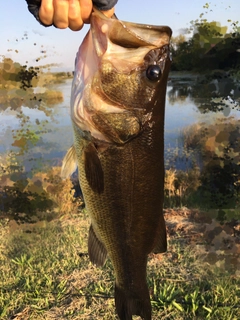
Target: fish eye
[{"x": 153, "y": 72}]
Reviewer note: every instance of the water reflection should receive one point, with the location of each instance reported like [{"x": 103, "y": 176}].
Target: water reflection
[{"x": 211, "y": 93}]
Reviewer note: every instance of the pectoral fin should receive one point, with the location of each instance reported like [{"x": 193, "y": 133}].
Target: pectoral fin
[
  {"x": 96, "y": 249},
  {"x": 69, "y": 164},
  {"x": 93, "y": 168}
]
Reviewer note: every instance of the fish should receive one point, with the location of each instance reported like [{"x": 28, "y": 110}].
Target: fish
[{"x": 117, "y": 111}]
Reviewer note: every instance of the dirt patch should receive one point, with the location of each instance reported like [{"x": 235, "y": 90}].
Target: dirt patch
[{"x": 217, "y": 243}]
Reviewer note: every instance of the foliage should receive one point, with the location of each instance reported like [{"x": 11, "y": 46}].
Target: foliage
[
  {"x": 18, "y": 86},
  {"x": 218, "y": 145},
  {"x": 209, "y": 47},
  {"x": 44, "y": 196},
  {"x": 179, "y": 186},
  {"x": 26, "y": 76}
]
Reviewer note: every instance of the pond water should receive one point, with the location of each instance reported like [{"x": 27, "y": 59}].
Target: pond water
[{"x": 185, "y": 106}]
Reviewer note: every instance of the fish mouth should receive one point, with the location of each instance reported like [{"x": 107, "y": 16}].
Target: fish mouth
[{"x": 111, "y": 31}]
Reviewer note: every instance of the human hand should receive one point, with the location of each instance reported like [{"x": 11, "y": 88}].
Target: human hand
[{"x": 67, "y": 13}]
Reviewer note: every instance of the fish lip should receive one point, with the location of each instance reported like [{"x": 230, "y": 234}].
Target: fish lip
[
  {"x": 98, "y": 14},
  {"x": 163, "y": 29}
]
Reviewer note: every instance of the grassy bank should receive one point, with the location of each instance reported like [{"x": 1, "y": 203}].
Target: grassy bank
[{"x": 46, "y": 274}]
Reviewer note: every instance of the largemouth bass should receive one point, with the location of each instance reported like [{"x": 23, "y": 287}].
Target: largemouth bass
[{"x": 117, "y": 110}]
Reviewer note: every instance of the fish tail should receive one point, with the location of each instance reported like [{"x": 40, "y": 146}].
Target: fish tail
[{"x": 129, "y": 304}]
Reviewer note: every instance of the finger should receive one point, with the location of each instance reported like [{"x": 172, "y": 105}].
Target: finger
[
  {"x": 60, "y": 17},
  {"x": 74, "y": 15},
  {"x": 86, "y": 10},
  {"x": 46, "y": 12}
]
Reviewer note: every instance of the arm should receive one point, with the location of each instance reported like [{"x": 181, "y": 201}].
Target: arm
[{"x": 71, "y": 13}]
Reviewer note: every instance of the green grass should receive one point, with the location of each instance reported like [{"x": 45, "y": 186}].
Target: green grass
[{"x": 46, "y": 274}]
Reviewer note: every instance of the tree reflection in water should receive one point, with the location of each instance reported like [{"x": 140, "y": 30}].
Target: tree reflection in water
[{"x": 212, "y": 147}]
